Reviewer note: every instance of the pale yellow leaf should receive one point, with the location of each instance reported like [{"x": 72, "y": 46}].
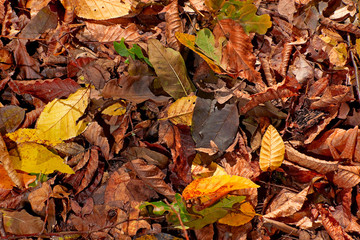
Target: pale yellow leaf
[
  {"x": 58, "y": 121},
  {"x": 216, "y": 185},
  {"x": 35, "y": 158},
  {"x": 181, "y": 111},
  {"x": 116, "y": 109},
  {"x": 272, "y": 150},
  {"x": 240, "y": 216},
  {"x": 30, "y": 135},
  {"x": 102, "y": 9}
]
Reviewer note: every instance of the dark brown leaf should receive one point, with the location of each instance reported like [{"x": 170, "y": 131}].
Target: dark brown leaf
[{"x": 95, "y": 135}]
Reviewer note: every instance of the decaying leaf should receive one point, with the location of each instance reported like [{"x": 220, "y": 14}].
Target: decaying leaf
[
  {"x": 171, "y": 70},
  {"x": 10, "y": 118},
  {"x": 21, "y": 222},
  {"x": 333, "y": 96},
  {"x": 288, "y": 88},
  {"x": 237, "y": 57},
  {"x": 272, "y": 150},
  {"x": 173, "y": 25},
  {"x": 58, "y": 121},
  {"x": 181, "y": 111}
]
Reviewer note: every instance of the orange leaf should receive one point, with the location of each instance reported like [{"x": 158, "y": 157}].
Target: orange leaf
[
  {"x": 239, "y": 217},
  {"x": 216, "y": 185}
]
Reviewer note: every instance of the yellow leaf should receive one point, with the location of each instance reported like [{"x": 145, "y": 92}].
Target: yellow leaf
[
  {"x": 338, "y": 55},
  {"x": 58, "y": 121},
  {"x": 272, "y": 150},
  {"x": 239, "y": 217},
  {"x": 189, "y": 41},
  {"x": 201, "y": 170},
  {"x": 35, "y": 158},
  {"x": 116, "y": 109},
  {"x": 181, "y": 111},
  {"x": 216, "y": 185},
  {"x": 101, "y": 9},
  {"x": 357, "y": 46},
  {"x": 30, "y": 135}
]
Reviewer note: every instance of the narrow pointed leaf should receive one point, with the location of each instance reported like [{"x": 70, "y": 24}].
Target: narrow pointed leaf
[
  {"x": 171, "y": 70},
  {"x": 272, "y": 150}
]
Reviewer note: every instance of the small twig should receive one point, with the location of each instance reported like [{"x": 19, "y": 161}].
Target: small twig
[
  {"x": 179, "y": 217},
  {"x": 282, "y": 226},
  {"x": 280, "y": 186}
]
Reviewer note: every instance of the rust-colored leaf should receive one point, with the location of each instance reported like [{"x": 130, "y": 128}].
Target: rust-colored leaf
[
  {"x": 272, "y": 150},
  {"x": 91, "y": 168},
  {"x": 333, "y": 96},
  {"x": 173, "y": 25},
  {"x": 288, "y": 88},
  {"x": 95, "y": 135},
  {"x": 237, "y": 57}
]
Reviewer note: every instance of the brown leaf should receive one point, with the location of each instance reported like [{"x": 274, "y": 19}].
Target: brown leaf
[
  {"x": 31, "y": 117},
  {"x": 20, "y": 223},
  {"x": 132, "y": 88},
  {"x": 331, "y": 225},
  {"x": 205, "y": 233},
  {"x": 333, "y": 96},
  {"x": 237, "y": 57},
  {"x": 152, "y": 176},
  {"x": 94, "y": 134},
  {"x": 29, "y": 68},
  {"x": 173, "y": 24},
  {"x": 288, "y": 88},
  {"x": 151, "y": 157},
  {"x": 10, "y": 118},
  {"x": 111, "y": 33},
  {"x": 46, "y": 90},
  {"x": 287, "y": 203},
  {"x": 119, "y": 134},
  {"x": 39, "y": 197},
  {"x": 91, "y": 168},
  {"x": 342, "y": 212}
]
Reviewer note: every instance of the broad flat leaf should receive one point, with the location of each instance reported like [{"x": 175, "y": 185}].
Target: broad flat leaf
[
  {"x": 58, "y": 121},
  {"x": 189, "y": 41},
  {"x": 45, "y": 90},
  {"x": 11, "y": 117},
  {"x": 214, "y": 5},
  {"x": 114, "y": 32},
  {"x": 272, "y": 150},
  {"x": 171, "y": 70},
  {"x": 20, "y": 223},
  {"x": 101, "y": 9},
  {"x": 213, "y": 123},
  {"x": 181, "y": 111},
  {"x": 133, "y": 52},
  {"x": 216, "y": 185},
  {"x": 205, "y": 40},
  {"x": 338, "y": 55},
  {"x": 237, "y": 59},
  {"x": 245, "y": 13},
  {"x": 238, "y": 217},
  {"x": 94, "y": 134},
  {"x": 35, "y": 158},
  {"x": 117, "y": 109},
  {"x": 23, "y": 135}
]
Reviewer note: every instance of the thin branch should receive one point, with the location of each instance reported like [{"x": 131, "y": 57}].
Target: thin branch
[{"x": 179, "y": 217}]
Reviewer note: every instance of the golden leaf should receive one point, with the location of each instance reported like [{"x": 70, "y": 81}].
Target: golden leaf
[
  {"x": 216, "y": 186},
  {"x": 181, "y": 111},
  {"x": 272, "y": 150},
  {"x": 239, "y": 217},
  {"x": 30, "y": 135},
  {"x": 116, "y": 109},
  {"x": 35, "y": 158},
  {"x": 58, "y": 121}
]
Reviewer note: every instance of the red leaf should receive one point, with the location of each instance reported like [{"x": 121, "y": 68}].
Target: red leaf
[{"x": 46, "y": 90}]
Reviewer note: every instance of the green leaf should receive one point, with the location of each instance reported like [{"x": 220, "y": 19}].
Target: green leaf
[
  {"x": 205, "y": 40},
  {"x": 245, "y": 14},
  {"x": 214, "y": 5},
  {"x": 170, "y": 69},
  {"x": 134, "y": 52}
]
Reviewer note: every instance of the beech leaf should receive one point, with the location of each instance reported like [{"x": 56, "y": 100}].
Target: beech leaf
[
  {"x": 238, "y": 217},
  {"x": 181, "y": 111},
  {"x": 10, "y": 118},
  {"x": 171, "y": 70},
  {"x": 272, "y": 150},
  {"x": 216, "y": 185},
  {"x": 35, "y": 158},
  {"x": 58, "y": 121}
]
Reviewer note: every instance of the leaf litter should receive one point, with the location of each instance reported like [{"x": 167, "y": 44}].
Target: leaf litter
[{"x": 199, "y": 119}]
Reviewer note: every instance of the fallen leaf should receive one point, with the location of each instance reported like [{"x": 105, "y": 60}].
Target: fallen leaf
[
  {"x": 170, "y": 69},
  {"x": 20, "y": 223},
  {"x": 181, "y": 111},
  {"x": 7, "y": 183},
  {"x": 272, "y": 150},
  {"x": 10, "y": 118},
  {"x": 241, "y": 216},
  {"x": 111, "y": 33},
  {"x": 58, "y": 121},
  {"x": 117, "y": 109},
  {"x": 91, "y": 167},
  {"x": 35, "y": 158},
  {"x": 95, "y": 135},
  {"x": 173, "y": 25}
]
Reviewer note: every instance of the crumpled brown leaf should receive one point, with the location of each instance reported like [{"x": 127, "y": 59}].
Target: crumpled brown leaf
[
  {"x": 173, "y": 25},
  {"x": 287, "y": 88},
  {"x": 333, "y": 96}
]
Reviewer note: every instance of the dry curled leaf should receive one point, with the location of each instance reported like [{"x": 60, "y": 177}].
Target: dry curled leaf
[
  {"x": 173, "y": 24},
  {"x": 272, "y": 150}
]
